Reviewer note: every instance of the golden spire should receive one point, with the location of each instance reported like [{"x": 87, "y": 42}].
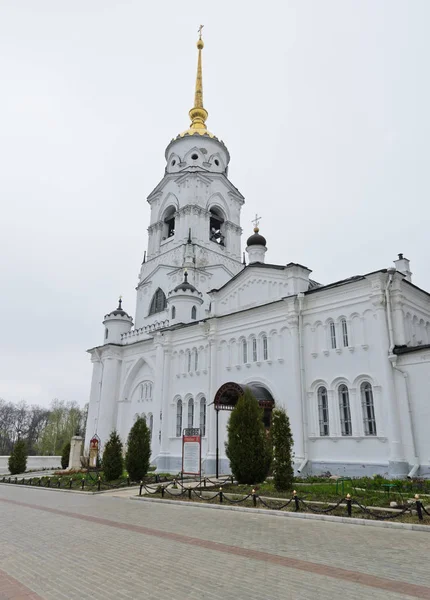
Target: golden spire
[{"x": 198, "y": 114}]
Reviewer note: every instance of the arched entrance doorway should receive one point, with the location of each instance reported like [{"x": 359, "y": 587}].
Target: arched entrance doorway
[{"x": 226, "y": 399}]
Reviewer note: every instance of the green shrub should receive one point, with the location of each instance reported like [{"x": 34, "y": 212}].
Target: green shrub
[
  {"x": 248, "y": 446},
  {"x": 282, "y": 440},
  {"x": 18, "y": 458},
  {"x": 65, "y": 456},
  {"x": 112, "y": 457},
  {"x": 138, "y": 450}
]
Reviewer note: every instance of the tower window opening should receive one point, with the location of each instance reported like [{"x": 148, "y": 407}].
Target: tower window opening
[
  {"x": 173, "y": 312},
  {"x": 158, "y": 302},
  {"x": 194, "y": 313},
  {"x": 169, "y": 223},
  {"x": 173, "y": 163},
  {"x": 216, "y": 227},
  {"x": 194, "y": 156},
  {"x": 106, "y": 333},
  {"x": 216, "y": 161}
]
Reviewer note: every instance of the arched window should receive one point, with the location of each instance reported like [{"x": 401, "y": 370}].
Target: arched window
[
  {"x": 106, "y": 333},
  {"x": 254, "y": 350},
  {"x": 344, "y": 333},
  {"x": 216, "y": 226},
  {"x": 332, "y": 335},
  {"x": 190, "y": 413},
  {"x": 203, "y": 417},
  {"x": 196, "y": 360},
  {"x": 244, "y": 352},
  {"x": 345, "y": 411},
  {"x": 141, "y": 392},
  {"x": 169, "y": 223},
  {"x": 368, "y": 408},
  {"x": 173, "y": 312},
  {"x": 188, "y": 361},
  {"x": 179, "y": 418},
  {"x": 194, "y": 313},
  {"x": 323, "y": 411},
  {"x": 265, "y": 348},
  {"x": 150, "y": 424},
  {"x": 158, "y": 302}
]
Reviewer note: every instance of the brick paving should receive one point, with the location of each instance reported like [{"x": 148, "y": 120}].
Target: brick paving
[
  {"x": 12, "y": 589},
  {"x": 62, "y": 545}
]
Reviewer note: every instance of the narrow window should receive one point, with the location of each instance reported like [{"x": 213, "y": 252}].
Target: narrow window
[
  {"x": 190, "y": 413},
  {"x": 265, "y": 348},
  {"x": 323, "y": 411},
  {"x": 368, "y": 409},
  {"x": 173, "y": 312},
  {"x": 244, "y": 352},
  {"x": 194, "y": 313},
  {"x": 141, "y": 391},
  {"x": 188, "y": 361},
  {"x": 196, "y": 360},
  {"x": 345, "y": 333},
  {"x": 179, "y": 418},
  {"x": 151, "y": 424},
  {"x": 333, "y": 335},
  {"x": 106, "y": 333},
  {"x": 254, "y": 349},
  {"x": 203, "y": 417},
  {"x": 146, "y": 391},
  {"x": 345, "y": 411}
]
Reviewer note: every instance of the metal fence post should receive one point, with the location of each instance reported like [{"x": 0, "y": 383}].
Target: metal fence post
[
  {"x": 83, "y": 483},
  {"x": 70, "y": 483},
  {"x": 162, "y": 491},
  {"x": 220, "y": 495},
  {"x": 296, "y": 500},
  {"x": 99, "y": 480},
  {"x": 254, "y": 498},
  {"x": 140, "y": 489},
  {"x": 189, "y": 493},
  {"x": 348, "y": 504},
  {"x": 419, "y": 508},
  {"x": 59, "y": 482}
]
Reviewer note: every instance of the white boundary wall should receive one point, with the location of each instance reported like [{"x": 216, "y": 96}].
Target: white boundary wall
[{"x": 33, "y": 462}]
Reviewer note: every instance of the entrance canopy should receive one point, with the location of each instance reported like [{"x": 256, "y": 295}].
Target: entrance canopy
[{"x": 229, "y": 393}]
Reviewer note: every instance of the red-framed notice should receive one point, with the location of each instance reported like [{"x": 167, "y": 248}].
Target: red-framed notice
[{"x": 191, "y": 451}]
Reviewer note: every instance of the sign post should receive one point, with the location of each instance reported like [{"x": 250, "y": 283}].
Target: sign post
[{"x": 191, "y": 452}]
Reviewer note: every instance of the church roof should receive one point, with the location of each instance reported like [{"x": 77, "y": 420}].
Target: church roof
[
  {"x": 256, "y": 239},
  {"x": 118, "y": 312},
  {"x": 185, "y": 286}
]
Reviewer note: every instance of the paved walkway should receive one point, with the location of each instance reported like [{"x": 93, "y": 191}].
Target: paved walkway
[{"x": 60, "y": 545}]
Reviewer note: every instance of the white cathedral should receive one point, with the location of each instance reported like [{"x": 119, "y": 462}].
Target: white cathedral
[{"x": 349, "y": 361}]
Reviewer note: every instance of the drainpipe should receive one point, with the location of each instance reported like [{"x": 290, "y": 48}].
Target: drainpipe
[
  {"x": 416, "y": 465},
  {"x": 393, "y": 359},
  {"x": 391, "y": 272},
  {"x": 301, "y": 298}
]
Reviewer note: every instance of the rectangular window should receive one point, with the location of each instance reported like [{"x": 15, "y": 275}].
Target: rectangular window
[
  {"x": 244, "y": 352},
  {"x": 179, "y": 419},
  {"x": 368, "y": 408},
  {"x": 254, "y": 349},
  {"x": 265, "y": 349},
  {"x": 345, "y": 333},
  {"x": 203, "y": 417},
  {"x": 323, "y": 411},
  {"x": 345, "y": 411},
  {"x": 190, "y": 414},
  {"x": 333, "y": 335}
]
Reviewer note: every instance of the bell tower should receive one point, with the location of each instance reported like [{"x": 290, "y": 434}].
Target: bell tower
[{"x": 195, "y": 215}]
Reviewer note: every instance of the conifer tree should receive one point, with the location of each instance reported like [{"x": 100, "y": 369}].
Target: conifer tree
[
  {"x": 282, "y": 440},
  {"x": 138, "y": 450},
  {"x": 65, "y": 455},
  {"x": 18, "y": 458},
  {"x": 248, "y": 446},
  {"x": 112, "y": 457}
]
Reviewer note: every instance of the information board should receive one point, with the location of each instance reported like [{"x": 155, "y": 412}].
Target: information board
[{"x": 191, "y": 452}]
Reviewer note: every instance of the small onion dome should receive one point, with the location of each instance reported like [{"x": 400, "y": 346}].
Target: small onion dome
[
  {"x": 256, "y": 239},
  {"x": 185, "y": 286},
  {"x": 118, "y": 312}
]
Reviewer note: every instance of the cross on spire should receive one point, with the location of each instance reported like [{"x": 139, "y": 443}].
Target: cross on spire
[
  {"x": 256, "y": 220},
  {"x": 199, "y": 30}
]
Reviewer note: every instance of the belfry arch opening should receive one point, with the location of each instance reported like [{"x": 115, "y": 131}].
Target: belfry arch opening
[
  {"x": 216, "y": 226},
  {"x": 169, "y": 223}
]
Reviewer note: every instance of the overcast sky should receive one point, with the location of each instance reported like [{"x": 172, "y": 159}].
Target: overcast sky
[{"x": 324, "y": 106}]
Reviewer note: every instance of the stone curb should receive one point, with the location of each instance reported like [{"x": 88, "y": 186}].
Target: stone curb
[
  {"x": 54, "y": 489},
  {"x": 293, "y": 515}
]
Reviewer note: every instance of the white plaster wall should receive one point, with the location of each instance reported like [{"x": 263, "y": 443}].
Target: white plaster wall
[{"x": 33, "y": 462}]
